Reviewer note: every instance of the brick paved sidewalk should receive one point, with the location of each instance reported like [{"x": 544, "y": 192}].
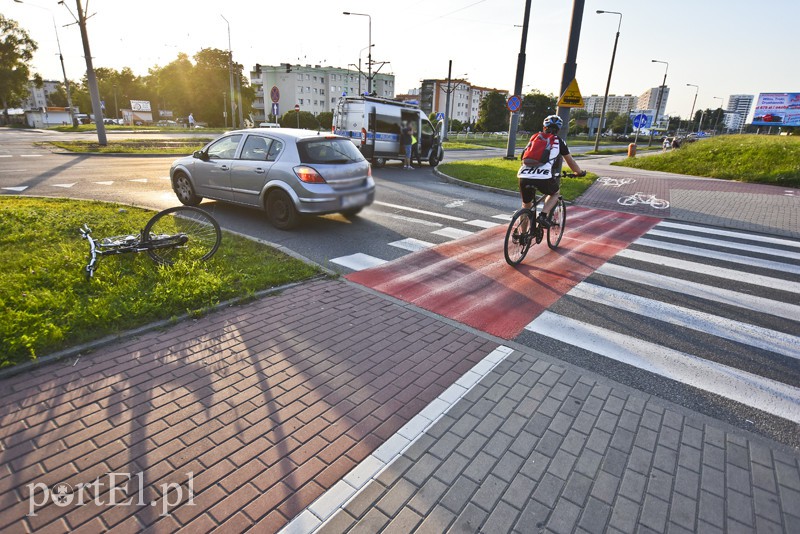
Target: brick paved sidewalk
[{"x": 239, "y": 419}]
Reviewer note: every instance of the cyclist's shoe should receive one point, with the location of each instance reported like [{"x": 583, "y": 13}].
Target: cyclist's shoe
[{"x": 543, "y": 221}]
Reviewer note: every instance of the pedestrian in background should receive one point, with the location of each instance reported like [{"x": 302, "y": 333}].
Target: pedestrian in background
[{"x": 191, "y": 121}]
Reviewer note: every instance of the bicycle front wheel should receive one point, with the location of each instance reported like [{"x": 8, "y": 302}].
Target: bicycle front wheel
[
  {"x": 558, "y": 222},
  {"x": 181, "y": 233},
  {"x": 519, "y": 236}
]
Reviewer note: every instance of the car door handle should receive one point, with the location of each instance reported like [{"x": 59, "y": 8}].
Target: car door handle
[
  {"x": 223, "y": 167},
  {"x": 259, "y": 170}
]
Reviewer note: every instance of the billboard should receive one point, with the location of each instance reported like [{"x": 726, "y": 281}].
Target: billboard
[{"x": 777, "y": 109}]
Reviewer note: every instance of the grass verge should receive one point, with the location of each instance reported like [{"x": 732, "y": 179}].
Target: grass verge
[
  {"x": 177, "y": 147},
  {"x": 46, "y": 304},
  {"x": 773, "y": 160},
  {"x": 502, "y": 174}
]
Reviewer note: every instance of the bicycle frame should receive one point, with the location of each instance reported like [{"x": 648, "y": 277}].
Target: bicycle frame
[{"x": 132, "y": 244}]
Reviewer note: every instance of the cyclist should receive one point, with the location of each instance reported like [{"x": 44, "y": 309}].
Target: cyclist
[{"x": 547, "y": 177}]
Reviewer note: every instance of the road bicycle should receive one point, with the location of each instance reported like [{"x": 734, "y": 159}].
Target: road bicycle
[
  {"x": 182, "y": 232},
  {"x": 525, "y": 230}
]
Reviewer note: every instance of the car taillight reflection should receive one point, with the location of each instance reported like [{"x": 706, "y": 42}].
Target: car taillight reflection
[{"x": 308, "y": 175}]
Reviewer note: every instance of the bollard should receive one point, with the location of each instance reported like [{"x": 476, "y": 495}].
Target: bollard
[{"x": 632, "y": 150}]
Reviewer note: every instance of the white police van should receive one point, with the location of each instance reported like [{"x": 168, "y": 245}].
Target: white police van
[{"x": 374, "y": 124}]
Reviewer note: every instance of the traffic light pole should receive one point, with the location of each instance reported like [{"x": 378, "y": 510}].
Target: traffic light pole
[{"x": 570, "y": 66}]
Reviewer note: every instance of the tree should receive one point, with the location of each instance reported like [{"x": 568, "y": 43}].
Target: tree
[
  {"x": 493, "y": 114},
  {"x": 16, "y": 52},
  {"x": 325, "y": 120},
  {"x": 307, "y": 120},
  {"x": 535, "y": 107}
]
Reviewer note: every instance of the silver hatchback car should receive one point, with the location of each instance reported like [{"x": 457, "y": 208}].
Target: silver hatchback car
[{"x": 283, "y": 171}]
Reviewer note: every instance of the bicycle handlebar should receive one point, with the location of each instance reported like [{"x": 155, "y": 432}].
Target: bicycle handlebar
[{"x": 573, "y": 174}]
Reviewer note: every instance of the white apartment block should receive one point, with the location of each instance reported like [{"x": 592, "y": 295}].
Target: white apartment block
[
  {"x": 649, "y": 100},
  {"x": 465, "y": 99},
  {"x": 39, "y": 97},
  {"x": 737, "y": 111},
  {"x": 617, "y": 103},
  {"x": 315, "y": 89}
]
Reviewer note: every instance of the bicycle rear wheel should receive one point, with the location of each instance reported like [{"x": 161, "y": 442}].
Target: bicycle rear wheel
[
  {"x": 558, "y": 222},
  {"x": 181, "y": 233},
  {"x": 519, "y": 236}
]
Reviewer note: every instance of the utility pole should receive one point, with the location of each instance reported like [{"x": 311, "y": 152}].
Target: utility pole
[
  {"x": 447, "y": 100},
  {"x": 570, "y": 65},
  {"x": 91, "y": 78},
  {"x": 230, "y": 75},
  {"x": 512, "y": 129}
]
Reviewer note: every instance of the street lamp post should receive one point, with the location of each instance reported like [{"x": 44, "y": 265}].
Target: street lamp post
[
  {"x": 369, "y": 55},
  {"x": 691, "y": 113},
  {"x": 116, "y": 106},
  {"x": 608, "y": 84},
  {"x": 230, "y": 74},
  {"x": 716, "y": 122},
  {"x": 660, "y": 95},
  {"x": 360, "y": 73}
]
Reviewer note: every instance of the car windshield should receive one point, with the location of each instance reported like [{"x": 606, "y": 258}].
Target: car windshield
[{"x": 328, "y": 150}]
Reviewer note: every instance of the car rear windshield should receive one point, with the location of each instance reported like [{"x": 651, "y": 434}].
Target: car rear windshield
[{"x": 328, "y": 150}]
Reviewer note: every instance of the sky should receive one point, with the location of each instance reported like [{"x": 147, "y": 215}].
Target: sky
[{"x": 723, "y": 46}]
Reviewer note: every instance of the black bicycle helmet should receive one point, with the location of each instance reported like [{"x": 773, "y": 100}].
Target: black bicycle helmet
[{"x": 553, "y": 121}]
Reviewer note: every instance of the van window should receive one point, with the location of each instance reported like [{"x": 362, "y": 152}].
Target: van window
[{"x": 387, "y": 124}]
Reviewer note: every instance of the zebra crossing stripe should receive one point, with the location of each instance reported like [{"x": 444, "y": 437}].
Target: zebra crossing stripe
[
  {"x": 358, "y": 261},
  {"x": 729, "y": 233},
  {"x": 754, "y": 336},
  {"x": 452, "y": 233},
  {"x": 787, "y": 254},
  {"x": 687, "y": 287},
  {"x": 740, "y": 386},
  {"x": 722, "y": 256},
  {"x": 412, "y": 244},
  {"x": 482, "y": 224},
  {"x": 719, "y": 272}
]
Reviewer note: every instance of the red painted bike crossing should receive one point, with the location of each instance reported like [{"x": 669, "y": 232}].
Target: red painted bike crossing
[{"x": 468, "y": 280}]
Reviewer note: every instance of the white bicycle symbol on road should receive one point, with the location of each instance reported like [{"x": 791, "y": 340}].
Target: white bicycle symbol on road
[
  {"x": 615, "y": 182},
  {"x": 643, "y": 198}
]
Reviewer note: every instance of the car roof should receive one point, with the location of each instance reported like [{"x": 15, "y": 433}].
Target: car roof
[{"x": 289, "y": 133}]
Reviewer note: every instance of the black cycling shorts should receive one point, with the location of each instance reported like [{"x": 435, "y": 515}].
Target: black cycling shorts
[{"x": 527, "y": 188}]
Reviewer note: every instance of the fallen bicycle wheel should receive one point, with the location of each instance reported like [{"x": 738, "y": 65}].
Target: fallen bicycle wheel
[{"x": 181, "y": 233}]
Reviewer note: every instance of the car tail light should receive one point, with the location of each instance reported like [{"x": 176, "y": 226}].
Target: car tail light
[
  {"x": 308, "y": 175},
  {"x": 369, "y": 170}
]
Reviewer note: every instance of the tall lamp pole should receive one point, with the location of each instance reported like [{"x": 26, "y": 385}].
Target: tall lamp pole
[
  {"x": 230, "y": 75},
  {"x": 369, "y": 55},
  {"x": 660, "y": 95},
  {"x": 691, "y": 114},
  {"x": 512, "y": 128},
  {"x": 608, "y": 84}
]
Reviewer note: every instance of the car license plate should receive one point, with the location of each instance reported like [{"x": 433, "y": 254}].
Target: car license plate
[{"x": 348, "y": 201}]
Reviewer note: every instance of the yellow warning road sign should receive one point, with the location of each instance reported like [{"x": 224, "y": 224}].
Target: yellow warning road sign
[{"x": 572, "y": 96}]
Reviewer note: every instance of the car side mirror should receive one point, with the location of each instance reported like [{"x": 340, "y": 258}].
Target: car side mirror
[{"x": 199, "y": 154}]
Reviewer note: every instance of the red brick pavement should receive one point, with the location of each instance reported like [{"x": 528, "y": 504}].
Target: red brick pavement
[{"x": 245, "y": 416}]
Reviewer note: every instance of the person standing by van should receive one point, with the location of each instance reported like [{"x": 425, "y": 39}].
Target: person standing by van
[
  {"x": 191, "y": 121},
  {"x": 405, "y": 145}
]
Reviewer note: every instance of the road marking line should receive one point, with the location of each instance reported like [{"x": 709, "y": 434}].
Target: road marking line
[
  {"x": 358, "y": 261},
  {"x": 343, "y": 492},
  {"x": 746, "y": 388},
  {"x": 30, "y": 155},
  {"x": 407, "y": 219},
  {"x": 5, "y": 155},
  {"x": 415, "y": 210},
  {"x": 747, "y": 334},
  {"x": 65, "y": 186},
  {"x": 104, "y": 183},
  {"x": 452, "y": 233},
  {"x": 727, "y": 244},
  {"x": 730, "y": 233},
  {"x": 687, "y": 287},
  {"x": 17, "y": 189},
  {"x": 412, "y": 244},
  {"x": 482, "y": 224},
  {"x": 142, "y": 180},
  {"x": 720, "y": 272}
]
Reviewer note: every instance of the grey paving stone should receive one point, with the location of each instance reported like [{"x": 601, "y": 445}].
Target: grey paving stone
[
  {"x": 659, "y": 484},
  {"x": 513, "y": 425},
  {"x": 633, "y": 486},
  {"x": 665, "y": 459},
  {"x": 501, "y": 519},
  {"x": 469, "y": 520},
  {"x": 788, "y": 474},
  {"x": 444, "y": 446},
  {"x": 577, "y": 488},
  {"x": 711, "y": 508},
  {"x": 737, "y": 455},
  {"x": 767, "y": 526},
  {"x": 683, "y": 511},
  {"x": 561, "y": 466},
  {"x": 372, "y": 522},
  {"x": 622, "y": 440},
  {"x": 712, "y": 480},
  {"x": 452, "y": 468},
  {"x": 437, "y": 521},
  {"x": 538, "y": 424},
  {"x": 471, "y": 445},
  {"x": 654, "y": 513},
  {"x": 480, "y": 466},
  {"x": 738, "y": 479},
  {"x": 524, "y": 444},
  {"x": 646, "y": 438},
  {"x": 364, "y": 500},
  {"x": 595, "y": 516},
  {"x": 605, "y": 487},
  {"x": 561, "y": 424},
  {"x": 405, "y": 522},
  {"x": 548, "y": 490},
  {"x": 459, "y": 494},
  {"x": 489, "y": 493},
  {"x": 766, "y": 505},
  {"x": 533, "y": 518},
  {"x": 428, "y": 495},
  {"x": 574, "y": 442},
  {"x": 549, "y": 444},
  {"x": 687, "y": 482},
  {"x": 624, "y": 514},
  {"x": 422, "y": 469},
  {"x": 589, "y": 463},
  {"x": 614, "y": 462},
  {"x": 519, "y": 491},
  {"x": 396, "y": 497},
  {"x": 508, "y": 466},
  {"x": 564, "y": 517},
  {"x": 598, "y": 441}
]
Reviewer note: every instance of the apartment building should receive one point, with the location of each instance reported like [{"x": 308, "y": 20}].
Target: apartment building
[
  {"x": 465, "y": 98},
  {"x": 618, "y": 103},
  {"x": 649, "y": 100},
  {"x": 39, "y": 97},
  {"x": 314, "y": 88},
  {"x": 737, "y": 111}
]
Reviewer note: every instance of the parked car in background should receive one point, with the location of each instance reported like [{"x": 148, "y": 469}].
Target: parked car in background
[
  {"x": 167, "y": 122},
  {"x": 285, "y": 172}
]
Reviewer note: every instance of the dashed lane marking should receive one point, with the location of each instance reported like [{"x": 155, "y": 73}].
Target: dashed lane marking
[
  {"x": 358, "y": 261},
  {"x": 412, "y": 244}
]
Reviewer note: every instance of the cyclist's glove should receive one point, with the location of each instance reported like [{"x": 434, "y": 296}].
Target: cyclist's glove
[{"x": 581, "y": 174}]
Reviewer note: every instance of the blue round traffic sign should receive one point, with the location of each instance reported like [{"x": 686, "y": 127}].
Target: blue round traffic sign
[
  {"x": 514, "y": 102},
  {"x": 640, "y": 120}
]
